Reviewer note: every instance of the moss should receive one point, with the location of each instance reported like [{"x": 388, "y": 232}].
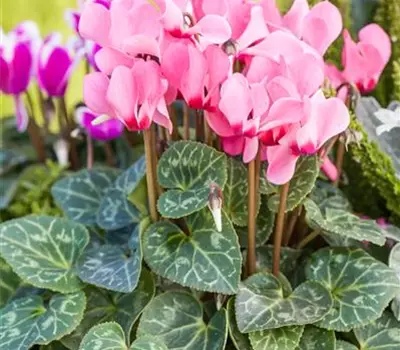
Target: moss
[
  {"x": 377, "y": 172},
  {"x": 396, "y": 80},
  {"x": 388, "y": 17}
]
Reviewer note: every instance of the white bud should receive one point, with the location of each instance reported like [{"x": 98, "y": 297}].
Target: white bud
[
  {"x": 215, "y": 205},
  {"x": 61, "y": 149}
]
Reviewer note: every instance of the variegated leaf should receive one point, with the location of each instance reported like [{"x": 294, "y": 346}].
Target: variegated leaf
[
  {"x": 28, "y": 321},
  {"x": 177, "y": 320},
  {"x": 262, "y": 303},
  {"x": 9, "y": 282},
  {"x": 187, "y": 169},
  {"x": 361, "y": 286},
  {"x": 79, "y": 195},
  {"x": 394, "y": 263},
  {"x": 205, "y": 259},
  {"x": 240, "y": 340},
  {"x": 43, "y": 250},
  {"x": 314, "y": 338},
  {"x": 285, "y": 338},
  {"x": 105, "y": 336},
  {"x": 343, "y": 223}
]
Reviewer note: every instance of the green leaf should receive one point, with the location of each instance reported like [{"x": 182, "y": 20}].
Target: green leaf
[
  {"x": 177, "y": 319},
  {"x": 105, "y": 336},
  {"x": 240, "y": 340},
  {"x": 236, "y": 193},
  {"x": 206, "y": 260},
  {"x": 394, "y": 263},
  {"x": 300, "y": 186},
  {"x": 55, "y": 345},
  {"x": 43, "y": 250},
  {"x": 343, "y": 223},
  {"x": 379, "y": 335},
  {"x": 285, "y": 338},
  {"x": 116, "y": 211},
  {"x": 103, "y": 306},
  {"x": 28, "y": 321},
  {"x": 187, "y": 169},
  {"x": 264, "y": 226},
  {"x": 148, "y": 343},
  {"x": 344, "y": 345},
  {"x": 110, "y": 267},
  {"x": 262, "y": 304},
  {"x": 9, "y": 282},
  {"x": 326, "y": 195},
  {"x": 288, "y": 262},
  {"x": 361, "y": 286},
  {"x": 79, "y": 195},
  {"x": 314, "y": 338}
]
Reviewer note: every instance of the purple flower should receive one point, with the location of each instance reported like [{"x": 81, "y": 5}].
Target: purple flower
[
  {"x": 17, "y": 57},
  {"x": 55, "y": 66},
  {"x": 106, "y": 131}
]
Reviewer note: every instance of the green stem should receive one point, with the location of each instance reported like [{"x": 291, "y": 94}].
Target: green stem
[{"x": 309, "y": 238}]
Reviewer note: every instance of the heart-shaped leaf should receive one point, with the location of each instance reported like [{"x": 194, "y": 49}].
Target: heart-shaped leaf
[
  {"x": 111, "y": 267},
  {"x": 361, "y": 286},
  {"x": 394, "y": 263},
  {"x": 236, "y": 193},
  {"x": 326, "y": 195},
  {"x": 206, "y": 259},
  {"x": 285, "y": 338},
  {"x": 103, "y": 306},
  {"x": 343, "y": 223},
  {"x": 187, "y": 169},
  {"x": 9, "y": 282},
  {"x": 262, "y": 304},
  {"x": 28, "y": 321},
  {"x": 116, "y": 211},
  {"x": 344, "y": 345},
  {"x": 300, "y": 186},
  {"x": 79, "y": 195},
  {"x": 240, "y": 340},
  {"x": 177, "y": 320},
  {"x": 107, "y": 335},
  {"x": 43, "y": 250},
  {"x": 148, "y": 343},
  {"x": 264, "y": 226},
  {"x": 314, "y": 338},
  {"x": 384, "y": 333}
]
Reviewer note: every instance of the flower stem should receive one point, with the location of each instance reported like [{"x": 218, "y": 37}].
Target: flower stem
[
  {"x": 280, "y": 221},
  {"x": 110, "y": 156},
  {"x": 292, "y": 223},
  {"x": 199, "y": 126},
  {"x": 89, "y": 152},
  {"x": 309, "y": 238},
  {"x": 150, "y": 176},
  {"x": 339, "y": 160},
  {"x": 186, "y": 117},
  {"x": 251, "y": 224},
  {"x": 174, "y": 120},
  {"x": 208, "y": 137}
]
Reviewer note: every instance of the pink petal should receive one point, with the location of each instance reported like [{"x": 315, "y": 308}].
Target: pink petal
[
  {"x": 233, "y": 145},
  {"x": 95, "y": 91},
  {"x": 272, "y": 14},
  {"x": 236, "y": 101},
  {"x": 213, "y": 28},
  {"x": 172, "y": 18},
  {"x": 374, "y": 35},
  {"x": 175, "y": 63},
  {"x": 334, "y": 75},
  {"x": 141, "y": 44},
  {"x": 21, "y": 113},
  {"x": 95, "y": 23},
  {"x": 107, "y": 59},
  {"x": 218, "y": 123},
  {"x": 255, "y": 30},
  {"x": 284, "y": 111},
  {"x": 329, "y": 169},
  {"x": 122, "y": 23},
  {"x": 281, "y": 87},
  {"x": 322, "y": 26},
  {"x": 259, "y": 98},
  {"x": 294, "y": 18},
  {"x": 161, "y": 116},
  {"x": 250, "y": 149},
  {"x": 262, "y": 67},
  {"x": 281, "y": 164},
  {"x": 124, "y": 100}
]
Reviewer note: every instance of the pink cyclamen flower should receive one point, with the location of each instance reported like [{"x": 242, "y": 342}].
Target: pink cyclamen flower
[
  {"x": 364, "y": 61},
  {"x": 109, "y": 130},
  {"x": 55, "y": 66},
  {"x": 17, "y": 61},
  {"x": 323, "y": 119},
  {"x": 140, "y": 101}
]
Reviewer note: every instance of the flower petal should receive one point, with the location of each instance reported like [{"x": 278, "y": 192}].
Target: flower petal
[
  {"x": 107, "y": 59},
  {"x": 281, "y": 164},
  {"x": 95, "y": 88},
  {"x": 95, "y": 23}
]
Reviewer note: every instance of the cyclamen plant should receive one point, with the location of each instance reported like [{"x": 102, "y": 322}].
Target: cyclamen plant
[{"x": 223, "y": 234}]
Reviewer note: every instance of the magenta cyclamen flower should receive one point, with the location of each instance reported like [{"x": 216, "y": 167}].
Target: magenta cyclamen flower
[
  {"x": 109, "y": 130},
  {"x": 17, "y": 60},
  {"x": 55, "y": 66}
]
